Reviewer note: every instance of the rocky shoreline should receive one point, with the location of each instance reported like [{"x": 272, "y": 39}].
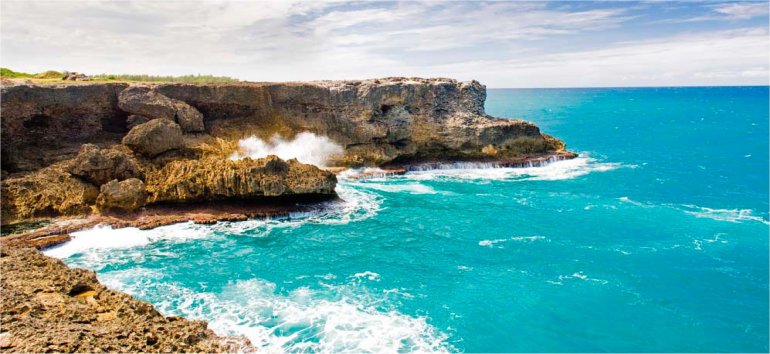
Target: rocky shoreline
[{"x": 84, "y": 154}]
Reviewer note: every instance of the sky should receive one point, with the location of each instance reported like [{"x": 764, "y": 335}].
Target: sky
[{"x": 501, "y": 44}]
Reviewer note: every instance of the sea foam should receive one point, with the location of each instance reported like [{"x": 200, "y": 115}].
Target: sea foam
[
  {"x": 338, "y": 318},
  {"x": 305, "y": 147}
]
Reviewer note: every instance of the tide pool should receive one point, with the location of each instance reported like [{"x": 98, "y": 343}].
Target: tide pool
[{"x": 654, "y": 239}]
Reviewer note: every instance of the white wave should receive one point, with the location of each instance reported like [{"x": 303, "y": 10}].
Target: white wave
[
  {"x": 337, "y": 319},
  {"x": 576, "y": 276},
  {"x": 105, "y": 238},
  {"x": 729, "y": 215},
  {"x": 559, "y": 170},
  {"x": 411, "y": 188},
  {"x": 367, "y": 275},
  {"x": 492, "y": 243},
  {"x": 305, "y": 147}
]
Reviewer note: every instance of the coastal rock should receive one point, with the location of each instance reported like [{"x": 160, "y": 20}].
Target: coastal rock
[
  {"x": 135, "y": 119},
  {"x": 49, "y": 192},
  {"x": 47, "y": 307},
  {"x": 219, "y": 179},
  {"x": 42, "y": 125},
  {"x": 127, "y": 195},
  {"x": 98, "y": 166},
  {"x": 154, "y": 137},
  {"x": 143, "y": 101}
]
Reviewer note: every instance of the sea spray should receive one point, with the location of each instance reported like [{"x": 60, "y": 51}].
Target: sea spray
[{"x": 305, "y": 147}]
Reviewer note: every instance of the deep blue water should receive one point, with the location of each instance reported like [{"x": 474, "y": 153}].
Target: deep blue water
[{"x": 655, "y": 239}]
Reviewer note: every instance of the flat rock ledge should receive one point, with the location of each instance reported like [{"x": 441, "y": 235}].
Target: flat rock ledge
[{"x": 48, "y": 307}]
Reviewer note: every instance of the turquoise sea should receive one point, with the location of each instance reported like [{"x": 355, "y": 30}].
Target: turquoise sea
[{"x": 654, "y": 239}]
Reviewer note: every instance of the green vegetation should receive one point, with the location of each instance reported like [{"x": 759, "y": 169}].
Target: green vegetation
[
  {"x": 5, "y": 72},
  {"x": 56, "y": 75},
  {"x": 152, "y": 78}
]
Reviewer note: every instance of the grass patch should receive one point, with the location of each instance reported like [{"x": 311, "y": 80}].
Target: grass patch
[
  {"x": 153, "y": 78},
  {"x": 5, "y": 72}
]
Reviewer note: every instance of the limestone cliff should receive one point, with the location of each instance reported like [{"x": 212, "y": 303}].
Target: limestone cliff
[{"x": 399, "y": 120}]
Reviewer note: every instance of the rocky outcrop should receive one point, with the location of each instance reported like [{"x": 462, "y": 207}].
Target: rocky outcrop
[
  {"x": 127, "y": 195},
  {"x": 218, "y": 179},
  {"x": 42, "y": 125},
  {"x": 385, "y": 121},
  {"x": 47, "y": 193},
  {"x": 47, "y": 307},
  {"x": 134, "y": 120},
  {"x": 144, "y": 101},
  {"x": 98, "y": 166},
  {"x": 154, "y": 137}
]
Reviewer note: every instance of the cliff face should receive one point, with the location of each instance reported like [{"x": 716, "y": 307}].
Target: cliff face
[{"x": 377, "y": 121}]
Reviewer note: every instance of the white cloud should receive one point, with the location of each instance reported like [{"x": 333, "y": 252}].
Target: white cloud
[
  {"x": 744, "y": 10},
  {"x": 291, "y": 41}
]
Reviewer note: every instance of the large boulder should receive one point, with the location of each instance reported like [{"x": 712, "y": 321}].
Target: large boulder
[
  {"x": 219, "y": 179},
  {"x": 143, "y": 101},
  {"x": 99, "y": 166},
  {"x": 125, "y": 195},
  {"x": 154, "y": 137}
]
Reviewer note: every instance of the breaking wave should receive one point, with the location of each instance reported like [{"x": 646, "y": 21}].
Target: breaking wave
[
  {"x": 344, "y": 318},
  {"x": 305, "y": 147},
  {"x": 558, "y": 170}
]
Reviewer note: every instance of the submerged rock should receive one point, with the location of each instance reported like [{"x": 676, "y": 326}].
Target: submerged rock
[
  {"x": 143, "y": 101},
  {"x": 98, "y": 166},
  {"x": 219, "y": 179},
  {"x": 154, "y": 137},
  {"x": 127, "y": 195}
]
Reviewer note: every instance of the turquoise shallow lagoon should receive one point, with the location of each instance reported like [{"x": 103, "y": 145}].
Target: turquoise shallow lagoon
[{"x": 654, "y": 239}]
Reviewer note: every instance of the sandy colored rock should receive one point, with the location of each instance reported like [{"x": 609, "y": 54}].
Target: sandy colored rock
[
  {"x": 49, "y": 192},
  {"x": 218, "y": 179},
  {"x": 144, "y": 101},
  {"x": 154, "y": 137},
  {"x": 127, "y": 195},
  {"x": 47, "y": 307},
  {"x": 98, "y": 166}
]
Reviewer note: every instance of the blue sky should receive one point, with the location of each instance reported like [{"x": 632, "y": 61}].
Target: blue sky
[{"x": 501, "y": 44}]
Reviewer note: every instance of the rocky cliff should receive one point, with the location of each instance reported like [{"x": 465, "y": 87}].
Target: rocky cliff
[
  {"x": 399, "y": 120},
  {"x": 72, "y": 149}
]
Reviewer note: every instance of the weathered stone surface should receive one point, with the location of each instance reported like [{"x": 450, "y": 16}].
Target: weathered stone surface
[
  {"x": 47, "y": 307},
  {"x": 98, "y": 166},
  {"x": 144, "y": 101},
  {"x": 127, "y": 195},
  {"x": 219, "y": 179},
  {"x": 49, "y": 192},
  {"x": 42, "y": 125},
  {"x": 377, "y": 121},
  {"x": 135, "y": 119},
  {"x": 154, "y": 137}
]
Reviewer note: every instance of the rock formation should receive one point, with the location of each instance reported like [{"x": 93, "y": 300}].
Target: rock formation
[
  {"x": 127, "y": 195},
  {"x": 99, "y": 166},
  {"x": 145, "y": 102},
  {"x": 154, "y": 137},
  {"x": 386, "y": 121},
  {"x": 47, "y": 307},
  {"x": 219, "y": 179}
]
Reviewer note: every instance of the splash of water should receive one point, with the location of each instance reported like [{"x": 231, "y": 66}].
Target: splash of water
[{"x": 305, "y": 147}]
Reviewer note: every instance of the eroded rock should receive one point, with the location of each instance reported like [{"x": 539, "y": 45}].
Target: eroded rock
[
  {"x": 47, "y": 307},
  {"x": 143, "y": 101},
  {"x": 98, "y": 166},
  {"x": 154, "y": 137},
  {"x": 127, "y": 195},
  {"x": 218, "y": 179}
]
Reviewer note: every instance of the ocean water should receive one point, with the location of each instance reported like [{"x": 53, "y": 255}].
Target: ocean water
[{"x": 654, "y": 239}]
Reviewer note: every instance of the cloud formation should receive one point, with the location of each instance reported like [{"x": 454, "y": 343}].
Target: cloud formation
[{"x": 503, "y": 44}]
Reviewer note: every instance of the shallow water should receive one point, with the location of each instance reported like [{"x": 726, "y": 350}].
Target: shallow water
[{"x": 654, "y": 239}]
